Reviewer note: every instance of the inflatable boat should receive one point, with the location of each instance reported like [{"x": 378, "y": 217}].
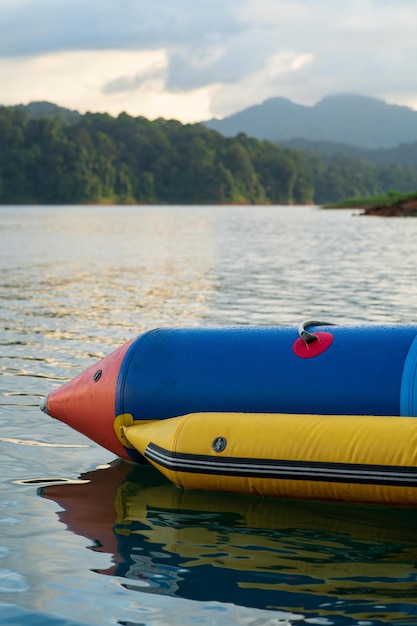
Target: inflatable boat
[{"x": 317, "y": 411}]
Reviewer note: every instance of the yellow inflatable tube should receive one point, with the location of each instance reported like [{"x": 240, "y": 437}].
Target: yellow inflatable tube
[{"x": 327, "y": 457}]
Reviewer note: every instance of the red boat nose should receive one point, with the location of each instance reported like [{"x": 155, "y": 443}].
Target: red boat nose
[{"x": 87, "y": 403}]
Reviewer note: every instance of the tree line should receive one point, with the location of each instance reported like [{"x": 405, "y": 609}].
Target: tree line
[{"x": 131, "y": 160}]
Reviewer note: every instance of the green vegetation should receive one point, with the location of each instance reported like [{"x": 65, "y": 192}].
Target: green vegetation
[
  {"x": 53, "y": 158},
  {"x": 380, "y": 201}
]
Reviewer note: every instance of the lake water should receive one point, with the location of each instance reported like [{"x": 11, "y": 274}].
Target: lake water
[{"x": 85, "y": 539}]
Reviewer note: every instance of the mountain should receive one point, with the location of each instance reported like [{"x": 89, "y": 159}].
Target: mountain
[
  {"x": 360, "y": 121},
  {"x": 48, "y": 109}
]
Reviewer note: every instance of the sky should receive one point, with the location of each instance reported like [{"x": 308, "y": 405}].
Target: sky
[{"x": 193, "y": 60}]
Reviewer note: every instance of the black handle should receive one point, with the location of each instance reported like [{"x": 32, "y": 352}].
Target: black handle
[{"x": 310, "y": 337}]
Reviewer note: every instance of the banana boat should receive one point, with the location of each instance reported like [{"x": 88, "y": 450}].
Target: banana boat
[{"x": 316, "y": 411}]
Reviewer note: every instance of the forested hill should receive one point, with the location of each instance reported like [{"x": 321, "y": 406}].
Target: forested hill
[{"x": 100, "y": 159}]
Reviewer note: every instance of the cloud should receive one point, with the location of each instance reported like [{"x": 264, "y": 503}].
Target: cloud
[
  {"x": 42, "y": 26},
  {"x": 75, "y": 80},
  {"x": 214, "y": 57},
  {"x": 147, "y": 70},
  {"x": 367, "y": 46},
  {"x": 280, "y": 69}
]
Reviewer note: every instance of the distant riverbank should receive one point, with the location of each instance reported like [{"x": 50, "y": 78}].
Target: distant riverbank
[{"x": 391, "y": 204}]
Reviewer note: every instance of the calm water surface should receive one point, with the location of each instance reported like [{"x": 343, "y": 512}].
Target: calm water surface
[{"x": 85, "y": 539}]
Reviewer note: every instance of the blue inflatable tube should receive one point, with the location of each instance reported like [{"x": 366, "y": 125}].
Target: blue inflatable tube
[{"x": 364, "y": 371}]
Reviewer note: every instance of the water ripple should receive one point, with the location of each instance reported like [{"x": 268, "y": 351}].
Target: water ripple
[
  {"x": 41, "y": 444},
  {"x": 12, "y": 582},
  {"x": 78, "y": 282}
]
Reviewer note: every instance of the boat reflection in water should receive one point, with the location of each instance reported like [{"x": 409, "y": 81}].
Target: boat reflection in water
[{"x": 333, "y": 561}]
